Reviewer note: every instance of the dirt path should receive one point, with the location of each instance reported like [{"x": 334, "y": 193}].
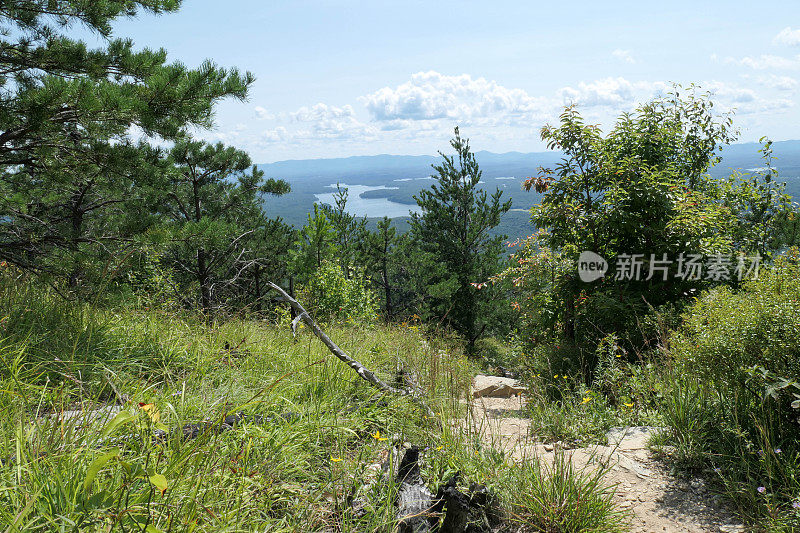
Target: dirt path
[{"x": 657, "y": 501}]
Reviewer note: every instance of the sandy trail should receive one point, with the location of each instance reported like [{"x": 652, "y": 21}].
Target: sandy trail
[{"x": 656, "y": 500}]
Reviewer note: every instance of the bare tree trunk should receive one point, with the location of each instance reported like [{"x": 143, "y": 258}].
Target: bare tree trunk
[
  {"x": 257, "y": 275},
  {"x": 291, "y": 293},
  {"x": 202, "y": 278}
]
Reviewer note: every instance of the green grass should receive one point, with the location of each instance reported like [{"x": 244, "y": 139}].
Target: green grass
[
  {"x": 729, "y": 405},
  {"x": 562, "y": 407},
  {"x": 563, "y": 497},
  {"x": 296, "y": 474}
]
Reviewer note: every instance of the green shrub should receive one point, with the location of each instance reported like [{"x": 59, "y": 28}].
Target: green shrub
[
  {"x": 335, "y": 297},
  {"x": 727, "y": 332},
  {"x": 730, "y": 403},
  {"x": 496, "y": 353}
]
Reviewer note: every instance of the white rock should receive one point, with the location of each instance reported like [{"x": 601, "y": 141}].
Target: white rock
[
  {"x": 631, "y": 438},
  {"x": 496, "y": 387},
  {"x": 731, "y": 528}
]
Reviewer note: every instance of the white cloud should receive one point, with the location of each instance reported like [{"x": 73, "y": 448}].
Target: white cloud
[
  {"x": 278, "y": 134},
  {"x": 616, "y": 93},
  {"x": 344, "y": 128},
  {"x": 320, "y": 122},
  {"x": 766, "y": 61},
  {"x": 782, "y": 83},
  {"x": 321, "y": 111},
  {"x": 418, "y": 115},
  {"x": 744, "y": 100},
  {"x": 431, "y": 96},
  {"x": 788, "y": 37},
  {"x": 263, "y": 114},
  {"x": 623, "y": 55},
  {"x": 729, "y": 93}
]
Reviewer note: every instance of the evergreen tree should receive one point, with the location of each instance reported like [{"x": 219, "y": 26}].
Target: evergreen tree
[
  {"x": 379, "y": 254},
  {"x": 271, "y": 246},
  {"x": 66, "y": 117},
  {"x": 453, "y": 231},
  {"x": 315, "y": 245},
  {"x": 350, "y": 230},
  {"x": 213, "y": 203}
]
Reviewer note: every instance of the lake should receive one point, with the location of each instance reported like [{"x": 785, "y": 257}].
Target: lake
[{"x": 369, "y": 207}]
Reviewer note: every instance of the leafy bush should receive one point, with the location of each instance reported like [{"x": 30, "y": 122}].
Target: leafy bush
[
  {"x": 497, "y": 354},
  {"x": 730, "y": 404},
  {"x": 725, "y": 333},
  {"x": 336, "y": 297}
]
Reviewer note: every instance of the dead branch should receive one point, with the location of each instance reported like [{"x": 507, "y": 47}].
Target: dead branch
[{"x": 360, "y": 369}]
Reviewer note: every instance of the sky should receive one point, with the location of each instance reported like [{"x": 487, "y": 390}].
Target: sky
[{"x": 337, "y": 78}]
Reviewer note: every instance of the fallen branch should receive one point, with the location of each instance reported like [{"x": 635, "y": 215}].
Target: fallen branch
[{"x": 360, "y": 369}]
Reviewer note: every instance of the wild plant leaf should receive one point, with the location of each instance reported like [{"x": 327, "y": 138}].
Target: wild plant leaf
[
  {"x": 159, "y": 482},
  {"x": 97, "y": 465},
  {"x": 123, "y": 417}
]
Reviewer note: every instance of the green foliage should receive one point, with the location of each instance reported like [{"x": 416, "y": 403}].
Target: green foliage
[
  {"x": 288, "y": 475},
  {"x": 380, "y": 253},
  {"x": 635, "y": 189},
  {"x": 731, "y": 403},
  {"x": 564, "y": 498},
  {"x": 644, "y": 188},
  {"x": 726, "y": 332},
  {"x": 349, "y": 229},
  {"x": 763, "y": 210},
  {"x": 316, "y": 244},
  {"x": 561, "y": 407},
  {"x": 451, "y": 232},
  {"x": 213, "y": 198},
  {"x": 112, "y": 473},
  {"x": 497, "y": 354},
  {"x": 336, "y": 297},
  {"x": 70, "y": 169}
]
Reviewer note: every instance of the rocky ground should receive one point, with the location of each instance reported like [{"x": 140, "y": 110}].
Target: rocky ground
[{"x": 656, "y": 500}]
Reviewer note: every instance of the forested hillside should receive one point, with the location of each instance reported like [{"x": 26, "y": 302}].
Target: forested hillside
[{"x": 399, "y": 178}]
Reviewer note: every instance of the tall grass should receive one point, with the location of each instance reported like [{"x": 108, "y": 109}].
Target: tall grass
[
  {"x": 726, "y": 407},
  {"x": 67, "y": 466}
]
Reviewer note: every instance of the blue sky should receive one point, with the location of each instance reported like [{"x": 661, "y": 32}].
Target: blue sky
[{"x": 341, "y": 78}]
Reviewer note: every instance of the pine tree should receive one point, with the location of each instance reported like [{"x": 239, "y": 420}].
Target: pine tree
[
  {"x": 66, "y": 117},
  {"x": 379, "y": 249},
  {"x": 315, "y": 245},
  {"x": 350, "y": 230},
  {"x": 214, "y": 206},
  {"x": 453, "y": 231}
]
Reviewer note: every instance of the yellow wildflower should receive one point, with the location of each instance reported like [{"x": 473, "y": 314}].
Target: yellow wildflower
[{"x": 151, "y": 411}]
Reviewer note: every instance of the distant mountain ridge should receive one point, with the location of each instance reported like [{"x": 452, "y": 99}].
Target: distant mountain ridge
[
  {"x": 740, "y": 155},
  {"x": 413, "y": 165},
  {"x": 398, "y": 178}
]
